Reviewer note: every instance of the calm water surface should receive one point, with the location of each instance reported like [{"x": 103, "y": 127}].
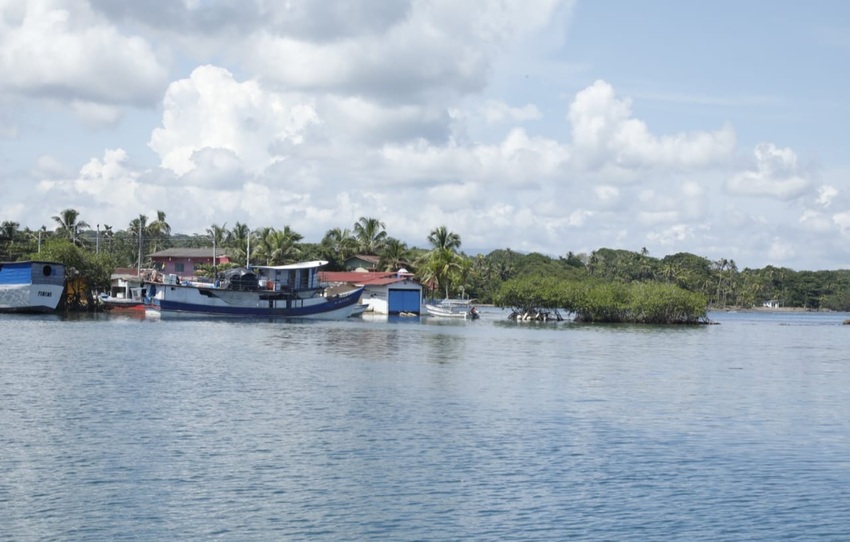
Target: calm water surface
[{"x": 119, "y": 428}]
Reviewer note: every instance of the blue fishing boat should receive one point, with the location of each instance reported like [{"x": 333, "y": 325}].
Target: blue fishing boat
[
  {"x": 31, "y": 286},
  {"x": 282, "y": 291}
]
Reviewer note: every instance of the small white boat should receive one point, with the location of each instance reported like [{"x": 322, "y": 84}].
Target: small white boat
[
  {"x": 31, "y": 286},
  {"x": 126, "y": 299},
  {"x": 453, "y": 308},
  {"x": 359, "y": 309}
]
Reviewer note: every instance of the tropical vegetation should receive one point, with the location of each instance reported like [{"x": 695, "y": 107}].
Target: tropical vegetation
[{"x": 606, "y": 284}]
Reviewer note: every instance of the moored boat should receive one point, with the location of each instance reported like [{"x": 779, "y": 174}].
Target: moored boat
[
  {"x": 31, "y": 286},
  {"x": 283, "y": 291},
  {"x": 359, "y": 309},
  {"x": 127, "y": 292},
  {"x": 131, "y": 299},
  {"x": 453, "y": 308}
]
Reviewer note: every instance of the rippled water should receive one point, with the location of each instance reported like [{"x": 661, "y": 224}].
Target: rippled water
[{"x": 116, "y": 428}]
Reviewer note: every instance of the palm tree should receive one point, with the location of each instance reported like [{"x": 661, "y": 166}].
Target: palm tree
[
  {"x": 9, "y": 229},
  {"x": 394, "y": 256},
  {"x": 593, "y": 263},
  {"x": 108, "y": 235},
  {"x": 218, "y": 234},
  {"x": 440, "y": 269},
  {"x": 137, "y": 228},
  {"x": 9, "y": 233},
  {"x": 671, "y": 271},
  {"x": 720, "y": 267},
  {"x": 370, "y": 234},
  {"x": 284, "y": 244},
  {"x": 504, "y": 269},
  {"x": 265, "y": 247},
  {"x": 443, "y": 239},
  {"x": 339, "y": 245},
  {"x": 69, "y": 226},
  {"x": 646, "y": 269},
  {"x": 482, "y": 268},
  {"x": 238, "y": 240},
  {"x": 442, "y": 266},
  {"x": 732, "y": 282},
  {"x": 158, "y": 231}
]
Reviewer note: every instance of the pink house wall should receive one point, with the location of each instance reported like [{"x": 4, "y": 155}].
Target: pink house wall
[{"x": 170, "y": 264}]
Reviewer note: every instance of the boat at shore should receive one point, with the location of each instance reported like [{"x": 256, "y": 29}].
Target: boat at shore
[
  {"x": 128, "y": 298},
  {"x": 359, "y": 309},
  {"x": 282, "y": 291},
  {"x": 453, "y": 308},
  {"x": 31, "y": 286}
]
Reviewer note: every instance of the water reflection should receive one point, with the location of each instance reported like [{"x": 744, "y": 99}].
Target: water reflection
[{"x": 408, "y": 429}]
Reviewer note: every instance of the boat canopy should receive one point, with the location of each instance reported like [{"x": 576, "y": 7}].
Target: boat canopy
[{"x": 299, "y": 265}]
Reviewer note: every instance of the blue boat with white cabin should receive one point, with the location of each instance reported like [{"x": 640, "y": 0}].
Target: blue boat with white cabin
[
  {"x": 31, "y": 286},
  {"x": 281, "y": 291}
]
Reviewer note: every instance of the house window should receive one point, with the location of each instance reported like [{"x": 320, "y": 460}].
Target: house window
[{"x": 178, "y": 267}]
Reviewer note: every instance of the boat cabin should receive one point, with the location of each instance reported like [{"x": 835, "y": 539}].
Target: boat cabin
[{"x": 300, "y": 277}]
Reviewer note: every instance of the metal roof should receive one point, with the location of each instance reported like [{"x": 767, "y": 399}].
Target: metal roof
[
  {"x": 188, "y": 253},
  {"x": 299, "y": 265},
  {"x": 368, "y": 278}
]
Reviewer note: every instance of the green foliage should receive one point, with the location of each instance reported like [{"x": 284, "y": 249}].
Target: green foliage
[
  {"x": 573, "y": 260},
  {"x": 370, "y": 235},
  {"x": 93, "y": 270},
  {"x": 622, "y": 265},
  {"x": 531, "y": 292},
  {"x": 337, "y": 246},
  {"x": 686, "y": 270},
  {"x": 443, "y": 268},
  {"x": 605, "y": 301},
  {"x": 394, "y": 256},
  {"x": 654, "y": 303}
]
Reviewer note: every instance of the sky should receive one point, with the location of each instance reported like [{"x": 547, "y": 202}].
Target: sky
[{"x": 554, "y": 126}]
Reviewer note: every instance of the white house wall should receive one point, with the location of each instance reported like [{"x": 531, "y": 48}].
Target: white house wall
[{"x": 377, "y": 297}]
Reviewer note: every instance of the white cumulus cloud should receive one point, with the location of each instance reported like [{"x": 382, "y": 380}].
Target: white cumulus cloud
[
  {"x": 212, "y": 110},
  {"x": 605, "y": 134},
  {"x": 776, "y": 175},
  {"x": 64, "y": 50},
  {"x": 431, "y": 47}
]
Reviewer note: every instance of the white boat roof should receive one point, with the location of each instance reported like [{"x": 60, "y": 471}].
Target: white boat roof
[{"x": 299, "y": 265}]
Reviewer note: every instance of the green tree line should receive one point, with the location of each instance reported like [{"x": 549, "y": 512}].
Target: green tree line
[{"x": 441, "y": 265}]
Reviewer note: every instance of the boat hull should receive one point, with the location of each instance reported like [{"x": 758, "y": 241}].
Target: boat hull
[
  {"x": 445, "y": 313},
  {"x": 121, "y": 304},
  {"x": 193, "y": 301},
  {"x": 458, "y": 309},
  {"x": 31, "y": 286}
]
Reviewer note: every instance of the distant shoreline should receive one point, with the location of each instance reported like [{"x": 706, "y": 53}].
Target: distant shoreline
[
  {"x": 768, "y": 309},
  {"x": 727, "y": 309}
]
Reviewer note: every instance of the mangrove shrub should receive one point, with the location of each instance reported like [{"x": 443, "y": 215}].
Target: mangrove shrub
[{"x": 597, "y": 301}]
